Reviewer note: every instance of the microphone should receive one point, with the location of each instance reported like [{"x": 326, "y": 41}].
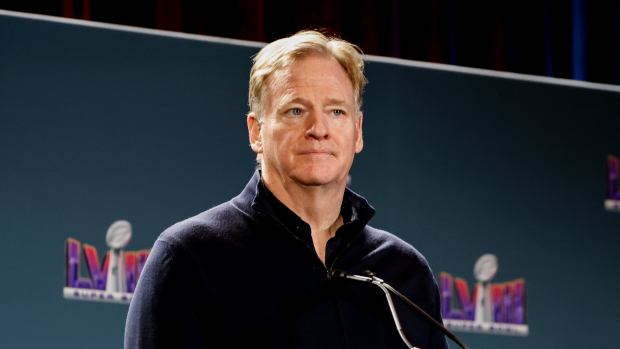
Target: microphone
[{"x": 386, "y": 288}]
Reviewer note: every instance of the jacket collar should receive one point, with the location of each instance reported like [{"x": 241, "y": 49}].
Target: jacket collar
[{"x": 257, "y": 201}]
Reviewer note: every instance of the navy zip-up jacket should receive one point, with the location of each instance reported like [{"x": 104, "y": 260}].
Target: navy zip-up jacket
[{"x": 245, "y": 274}]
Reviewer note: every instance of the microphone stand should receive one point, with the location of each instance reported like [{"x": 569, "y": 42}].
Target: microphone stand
[{"x": 386, "y": 288}]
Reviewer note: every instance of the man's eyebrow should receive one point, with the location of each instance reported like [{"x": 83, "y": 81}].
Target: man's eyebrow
[
  {"x": 288, "y": 99},
  {"x": 336, "y": 101}
]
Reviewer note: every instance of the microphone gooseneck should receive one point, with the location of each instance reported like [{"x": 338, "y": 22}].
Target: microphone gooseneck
[{"x": 387, "y": 289}]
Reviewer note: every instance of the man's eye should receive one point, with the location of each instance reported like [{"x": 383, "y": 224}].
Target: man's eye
[
  {"x": 338, "y": 112},
  {"x": 295, "y": 112}
]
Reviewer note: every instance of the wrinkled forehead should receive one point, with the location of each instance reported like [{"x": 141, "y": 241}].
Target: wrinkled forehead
[{"x": 322, "y": 72}]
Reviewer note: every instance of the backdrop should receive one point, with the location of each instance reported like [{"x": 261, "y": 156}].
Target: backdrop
[{"x": 100, "y": 124}]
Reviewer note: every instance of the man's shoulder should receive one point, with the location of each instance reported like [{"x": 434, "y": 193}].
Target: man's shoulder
[
  {"x": 392, "y": 245},
  {"x": 218, "y": 222}
]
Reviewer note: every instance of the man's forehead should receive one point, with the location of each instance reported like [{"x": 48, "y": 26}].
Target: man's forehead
[{"x": 290, "y": 82}]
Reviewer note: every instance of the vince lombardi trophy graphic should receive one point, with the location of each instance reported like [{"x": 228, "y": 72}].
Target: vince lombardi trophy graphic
[
  {"x": 117, "y": 237},
  {"x": 484, "y": 270}
]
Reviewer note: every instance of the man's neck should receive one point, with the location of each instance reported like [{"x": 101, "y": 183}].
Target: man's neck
[{"x": 319, "y": 206}]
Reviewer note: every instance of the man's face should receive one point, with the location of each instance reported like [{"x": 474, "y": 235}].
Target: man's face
[{"x": 311, "y": 128}]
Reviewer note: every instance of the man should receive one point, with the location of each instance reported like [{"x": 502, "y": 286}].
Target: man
[{"x": 255, "y": 271}]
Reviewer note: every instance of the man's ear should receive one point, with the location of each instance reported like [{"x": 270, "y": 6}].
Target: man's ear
[
  {"x": 359, "y": 141},
  {"x": 254, "y": 133}
]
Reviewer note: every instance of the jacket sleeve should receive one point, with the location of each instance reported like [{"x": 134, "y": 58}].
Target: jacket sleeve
[{"x": 165, "y": 311}]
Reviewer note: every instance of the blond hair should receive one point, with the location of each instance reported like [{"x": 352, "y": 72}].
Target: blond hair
[{"x": 282, "y": 53}]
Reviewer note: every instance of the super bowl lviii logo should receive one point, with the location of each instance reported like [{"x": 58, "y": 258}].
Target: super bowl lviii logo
[
  {"x": 612, "y": 202},
  {"x": 497, "y": 308},
  {"x": 111, "y": 280}
]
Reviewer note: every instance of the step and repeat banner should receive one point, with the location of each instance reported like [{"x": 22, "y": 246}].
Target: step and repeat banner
[{"x": 508, "y": 184}]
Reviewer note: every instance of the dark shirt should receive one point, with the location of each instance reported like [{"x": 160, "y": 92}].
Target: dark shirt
[{"x": 245, "y": 274}]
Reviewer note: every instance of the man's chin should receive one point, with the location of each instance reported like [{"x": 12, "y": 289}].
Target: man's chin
[{"x": 317, "y": 180}]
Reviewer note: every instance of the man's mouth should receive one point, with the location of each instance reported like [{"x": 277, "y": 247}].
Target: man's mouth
[{"x": 316, "y": 152}]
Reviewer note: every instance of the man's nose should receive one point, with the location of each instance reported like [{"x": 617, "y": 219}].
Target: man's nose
[{"x": 318, "y": 125}]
